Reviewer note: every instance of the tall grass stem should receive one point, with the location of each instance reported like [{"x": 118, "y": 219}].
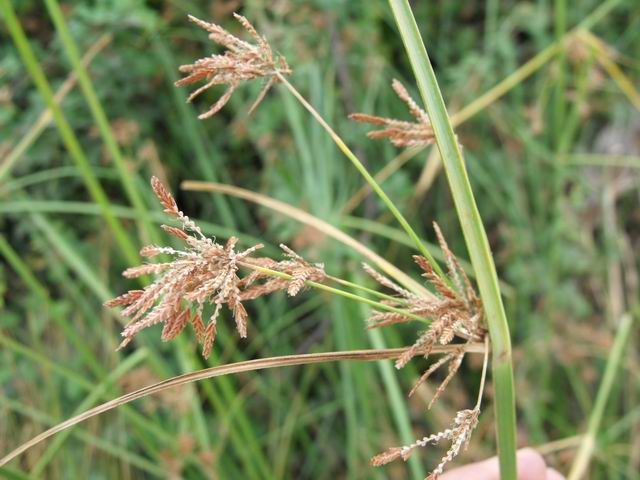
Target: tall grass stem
[
  {"x": 474, "y": 233},
  {"x": 126, "y": 177},
  {"x": 66, "y": 132},
  {"x": 588, "y": 444},
  {"x": 366, "y": 175}
]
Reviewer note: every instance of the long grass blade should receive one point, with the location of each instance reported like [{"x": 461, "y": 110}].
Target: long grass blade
[
  {"x": 474, "y": 233},
  {"x": 100, "y": 117},
  {"x": 229, "y": 369},
  {"x": 588, "y": 444},
  {"x": 69, "y": 138}
]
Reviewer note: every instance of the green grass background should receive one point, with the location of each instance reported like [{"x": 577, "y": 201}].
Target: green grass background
[{"x": 561, "y": 214}]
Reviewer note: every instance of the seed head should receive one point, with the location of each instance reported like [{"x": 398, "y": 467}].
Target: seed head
[
  {"x": 401, "y": 133},
  {"x": 455, "y": 311},
  {"x": 459, "y": 434},
  {"x": 243, "y": 61},
  {"x": 296, "y": 267},
  {"x": 204, "y": 273}
]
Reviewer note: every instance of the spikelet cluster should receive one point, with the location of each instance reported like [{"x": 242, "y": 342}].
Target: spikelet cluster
[
  {"x": 455, "y": 311},
  {"x": 399, "y": 132},
  {"x": 459, "y": 434},
  {"x": 205, "y": 272},
  {"x": 243, "y": 61},
  {"x": 296, "y": 268}
]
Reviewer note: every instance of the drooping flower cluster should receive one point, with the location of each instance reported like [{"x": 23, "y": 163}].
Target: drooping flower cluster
[
  {"x": 399, "y": 132},
  {"x": 459, "y": 434},
  {"x": 241, "y": 62},
  {"x": 455, "y": 310},
  {"x": 204, "y": 273}
]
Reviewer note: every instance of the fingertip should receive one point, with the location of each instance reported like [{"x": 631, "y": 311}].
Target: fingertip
[
  {"x": 484, "y": 470},
  {"x": 553, "y": 474},
  {"x": 531, "y": 465}
]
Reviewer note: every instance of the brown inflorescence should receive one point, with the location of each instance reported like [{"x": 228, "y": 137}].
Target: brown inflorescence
[
  {"x": 459, "y": 434},
  {"x": 205, "y": 272},
  {"x": 399, "y": 132},
  {"x": 455, "y": 311},
  {"x": 243, "y": 61}
]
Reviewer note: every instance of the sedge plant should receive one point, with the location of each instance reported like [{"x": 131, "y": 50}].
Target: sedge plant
[
  {"x": 208, "y": 271},
  {"x": 193, "y": 285}
]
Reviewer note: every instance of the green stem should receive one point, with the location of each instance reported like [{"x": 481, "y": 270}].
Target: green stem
[
  {"x": 474, "y": 233},
  {"x": 337, "y": 291},
  {"x": 45, "y": 117},
  {"x": 366, "y": 175},
  {"x": 588, "y": 444},
  {"x": 560, "y": 26},
  {"x": 66, "y": 132},
  {"x": 398, "y": 403},
  {"x": 370, "y": 291},
  {"x": 126, "y": 177}
]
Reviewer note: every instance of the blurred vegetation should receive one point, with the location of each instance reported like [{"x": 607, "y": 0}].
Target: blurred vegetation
[{"x": 554, "y": 164}]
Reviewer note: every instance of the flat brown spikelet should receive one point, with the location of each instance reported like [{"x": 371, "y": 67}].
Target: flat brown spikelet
[
  {"x": 414, "y": 109},
  {"x": 243, "y": 61},
  {"x": 142, "y": 270},
  {"x": 166, "y": 199},
  {"x": 454, "y": 364},
  {"x": 240, "y": 314},
  {"x": 432, "y": 368},
  {"x": 456, "y": 272},
  {"x": 301, "y": 271},
  {"x": 386, "y": 282},
  {"x": 175, "y": 325},
  {"x": 366, "y": 118},
  {"x": 176, "y": 232},
  {"x": 400, "y": 133},
  {"x": 387, "y": 456},
  {"x": 150, "y": 251},
  {"x": 124, "y": 299},
  {"x": 209, "y": 338},
  {"x": 198, "y": 327}
]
